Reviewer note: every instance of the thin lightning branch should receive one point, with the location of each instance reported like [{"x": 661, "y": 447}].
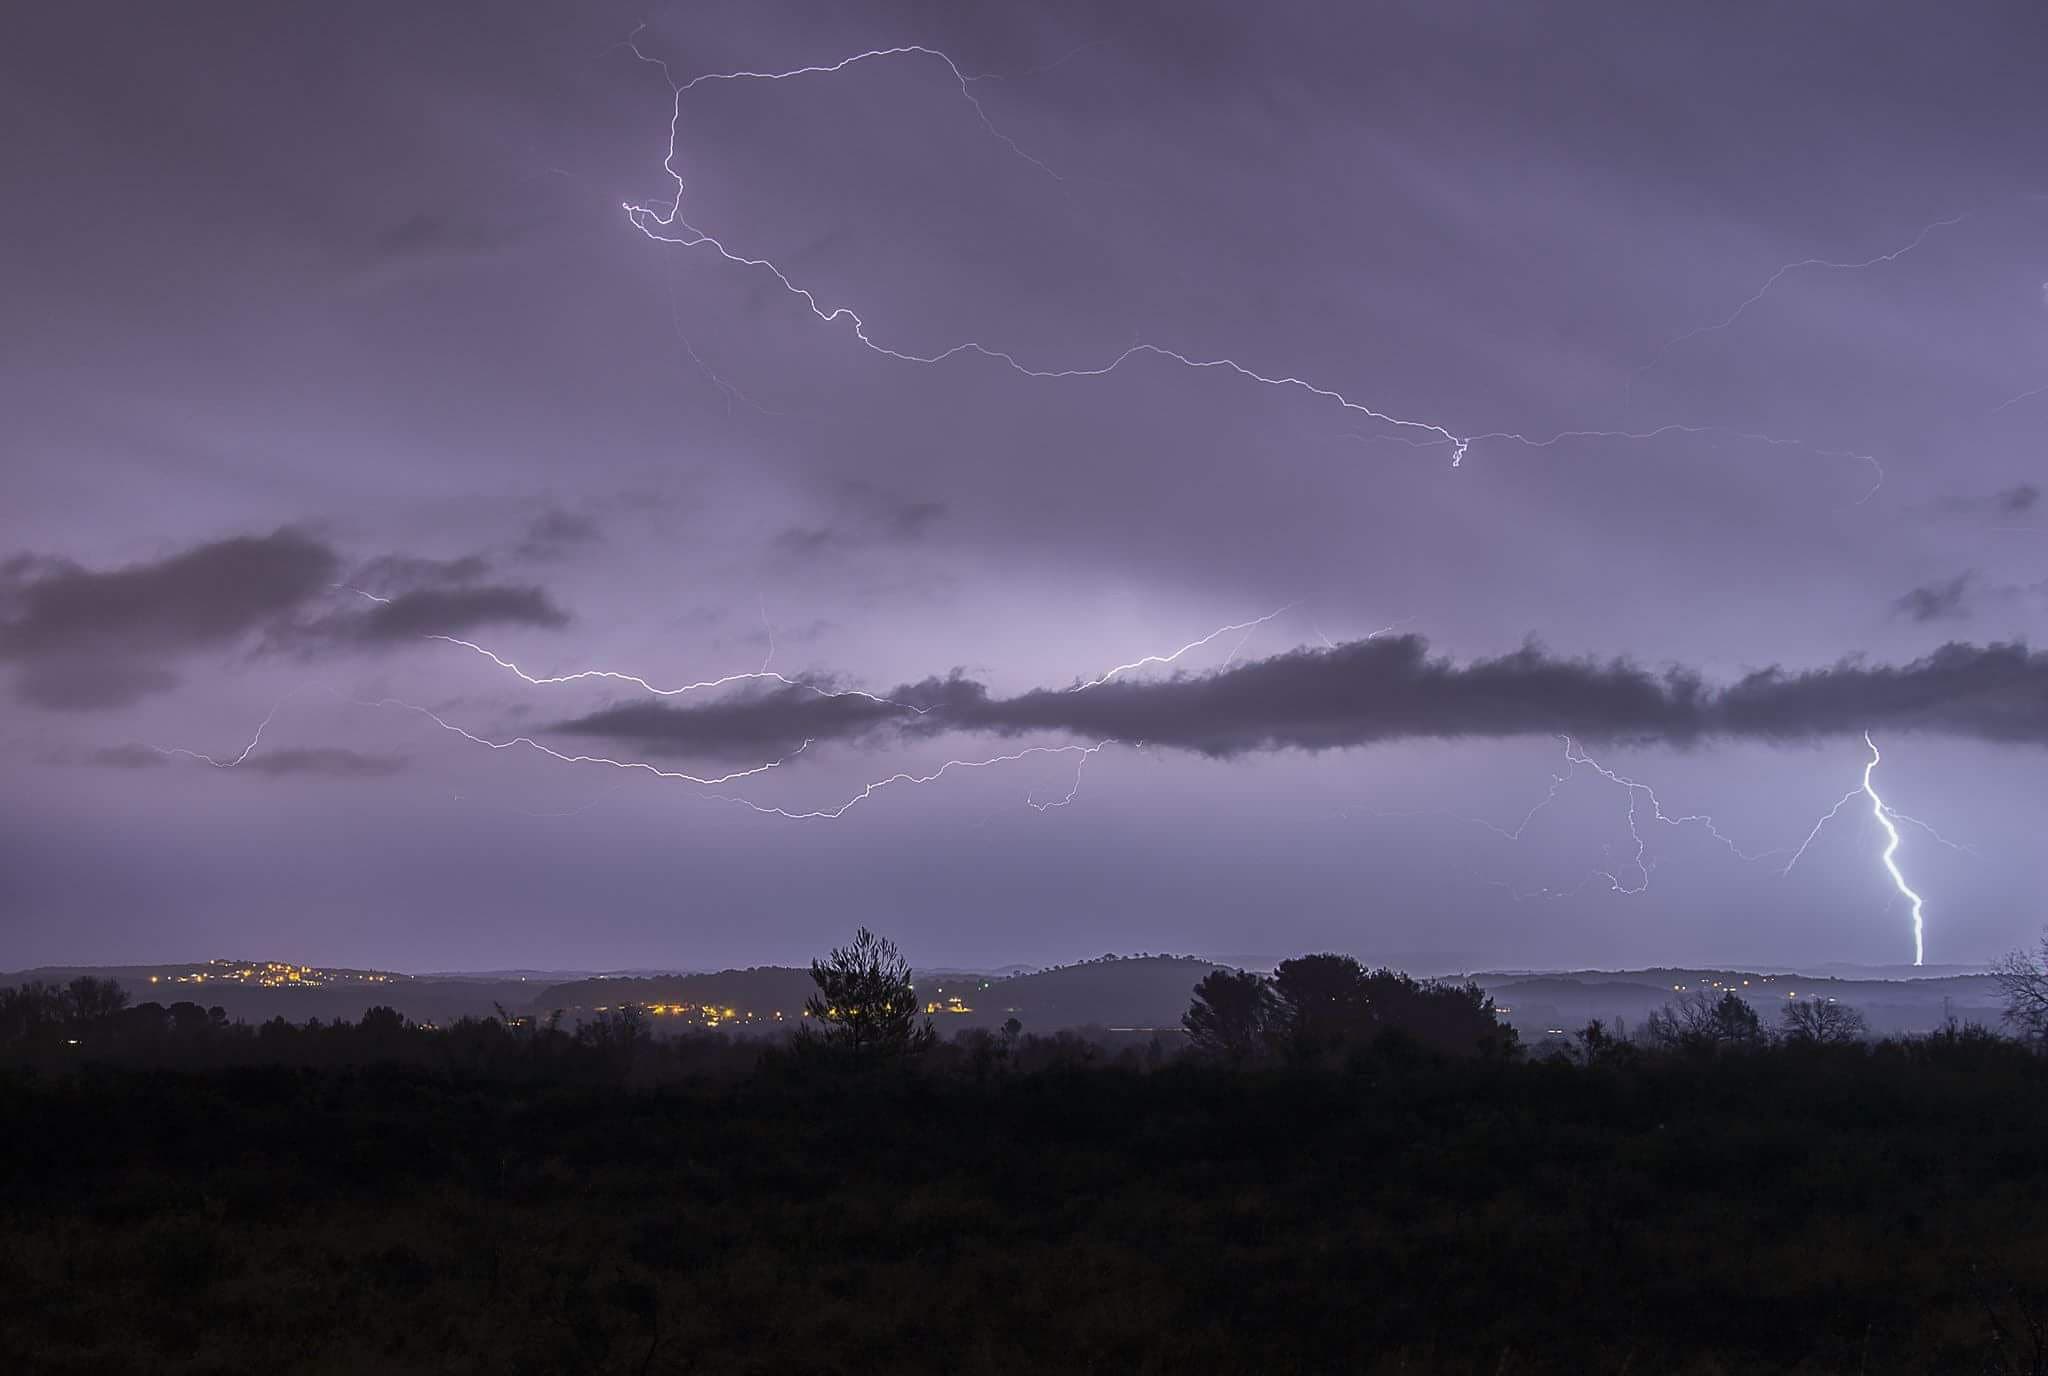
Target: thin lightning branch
[
  {"x": 965, "y": 81},
  {"x": 1825, "y": 818},
  {"x": 1576, "y": 756},
  {"x": 640, "y": 765},
  {"x": 833, "y": 813},
  {"x": 2014, "y": 401},
  {"x": 1891, "y": 850},
  {"x": 745, "y": 676},
  {"x": 1074, "y": 792},
  {"x": 1788, "y": 268},
  {"x": 247, "y": 750},
  {"x": 1148, "y": 660}
]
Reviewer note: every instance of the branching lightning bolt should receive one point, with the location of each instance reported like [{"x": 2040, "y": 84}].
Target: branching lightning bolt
[
  {"x": 655, "y": 770},
  {"x": 723, "y": 681}
]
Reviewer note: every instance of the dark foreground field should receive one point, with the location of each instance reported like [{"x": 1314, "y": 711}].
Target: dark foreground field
[{"x": 1859, "y": 1212}]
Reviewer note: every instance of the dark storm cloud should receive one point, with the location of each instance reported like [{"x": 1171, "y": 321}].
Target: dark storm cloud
[
  {"x": 451, "y": 611},
  {"x": 1390, "y": 688},
  {"x": 399, "y": 571},
  {"x": 1937, "y": 601},
  {"x": 774, "y": 721},
  {"x": 87, "y": 640},
  {"x": 206, "y": 595}
]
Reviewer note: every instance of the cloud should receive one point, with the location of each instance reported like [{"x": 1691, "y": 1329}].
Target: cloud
[
  {"x": 423, "y": 240},
  {"x": 554, "y": 533},
  {"x": 774, "y": 721},
  {"x": 127, "y": 757},
  {"x": 1390, "y": 688},
  {"x": 2019, "y": 498},
  {"x": 1936, "y": 601},
  {"x": 85, "y": 682},
  {"x": 449, "y": 611},
  {"x": 86, "y": 640},
  {"x": 330, "y": 762},
  {"x": 866, "y": 515},
  {"x": 2016, "y": 500},
  {"x": 404, "y": 572},
  {"x": 205, "y": 596}
]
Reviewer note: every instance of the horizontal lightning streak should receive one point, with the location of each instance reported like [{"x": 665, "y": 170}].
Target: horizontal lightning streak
[
  {"x": 833, "y": 813},
  {"x": 653, "y": 223}
]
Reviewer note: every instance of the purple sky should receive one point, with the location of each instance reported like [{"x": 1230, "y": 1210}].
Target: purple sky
[{"x": 329, "y": 333}]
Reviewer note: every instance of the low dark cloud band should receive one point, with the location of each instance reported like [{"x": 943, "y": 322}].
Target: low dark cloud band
[{"x": 1391, "y": 688}]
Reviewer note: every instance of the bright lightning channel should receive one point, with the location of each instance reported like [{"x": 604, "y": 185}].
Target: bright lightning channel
[
  {"x": 1887, "y": 817},
  {"x": 1891, "y": 850}
]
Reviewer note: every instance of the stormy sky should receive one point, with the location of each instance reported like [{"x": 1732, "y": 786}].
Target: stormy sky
[{"x": 426, "y": 542}]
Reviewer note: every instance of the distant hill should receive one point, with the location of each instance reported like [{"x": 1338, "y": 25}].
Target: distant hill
[
  {"x": 1133, "y": 991},
  {"x": 1535, "y": 1004},
  {"x": 1110, "y": 991},
  {"x": 1138, "y": 991}
]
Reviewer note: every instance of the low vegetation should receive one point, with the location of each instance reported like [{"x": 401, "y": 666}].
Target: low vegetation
[{"x": 1334, "y": 1169}]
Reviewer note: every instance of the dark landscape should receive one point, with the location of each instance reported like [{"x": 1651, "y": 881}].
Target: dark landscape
[
  {"x": 694, "y": 687},
  {"x": 1320, "y": 1169}
]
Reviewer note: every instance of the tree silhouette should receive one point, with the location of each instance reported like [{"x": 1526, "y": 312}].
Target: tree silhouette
[
  {"x": 93, "y": 1001},
  {"x": 1230, "y": 1016},
  {"x": 866, "y": 1008},
  {"x": 2024, "y": 980},
  {"x": 1324, "y": 1006},
  {"x": 1701, "y": 1023},
  {"x": 1821, "y": 1022}
]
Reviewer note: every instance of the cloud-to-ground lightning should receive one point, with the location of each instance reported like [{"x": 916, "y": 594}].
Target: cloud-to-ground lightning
[
  {"x": 1891, "y": 851},
  {"x": 1887, "y": 817}
]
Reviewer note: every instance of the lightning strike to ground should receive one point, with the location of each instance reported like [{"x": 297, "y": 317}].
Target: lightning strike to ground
[{"x": 1891, "y": 850}]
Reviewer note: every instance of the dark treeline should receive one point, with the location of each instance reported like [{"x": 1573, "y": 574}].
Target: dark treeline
[{"x": 1335, "y": 1169}]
